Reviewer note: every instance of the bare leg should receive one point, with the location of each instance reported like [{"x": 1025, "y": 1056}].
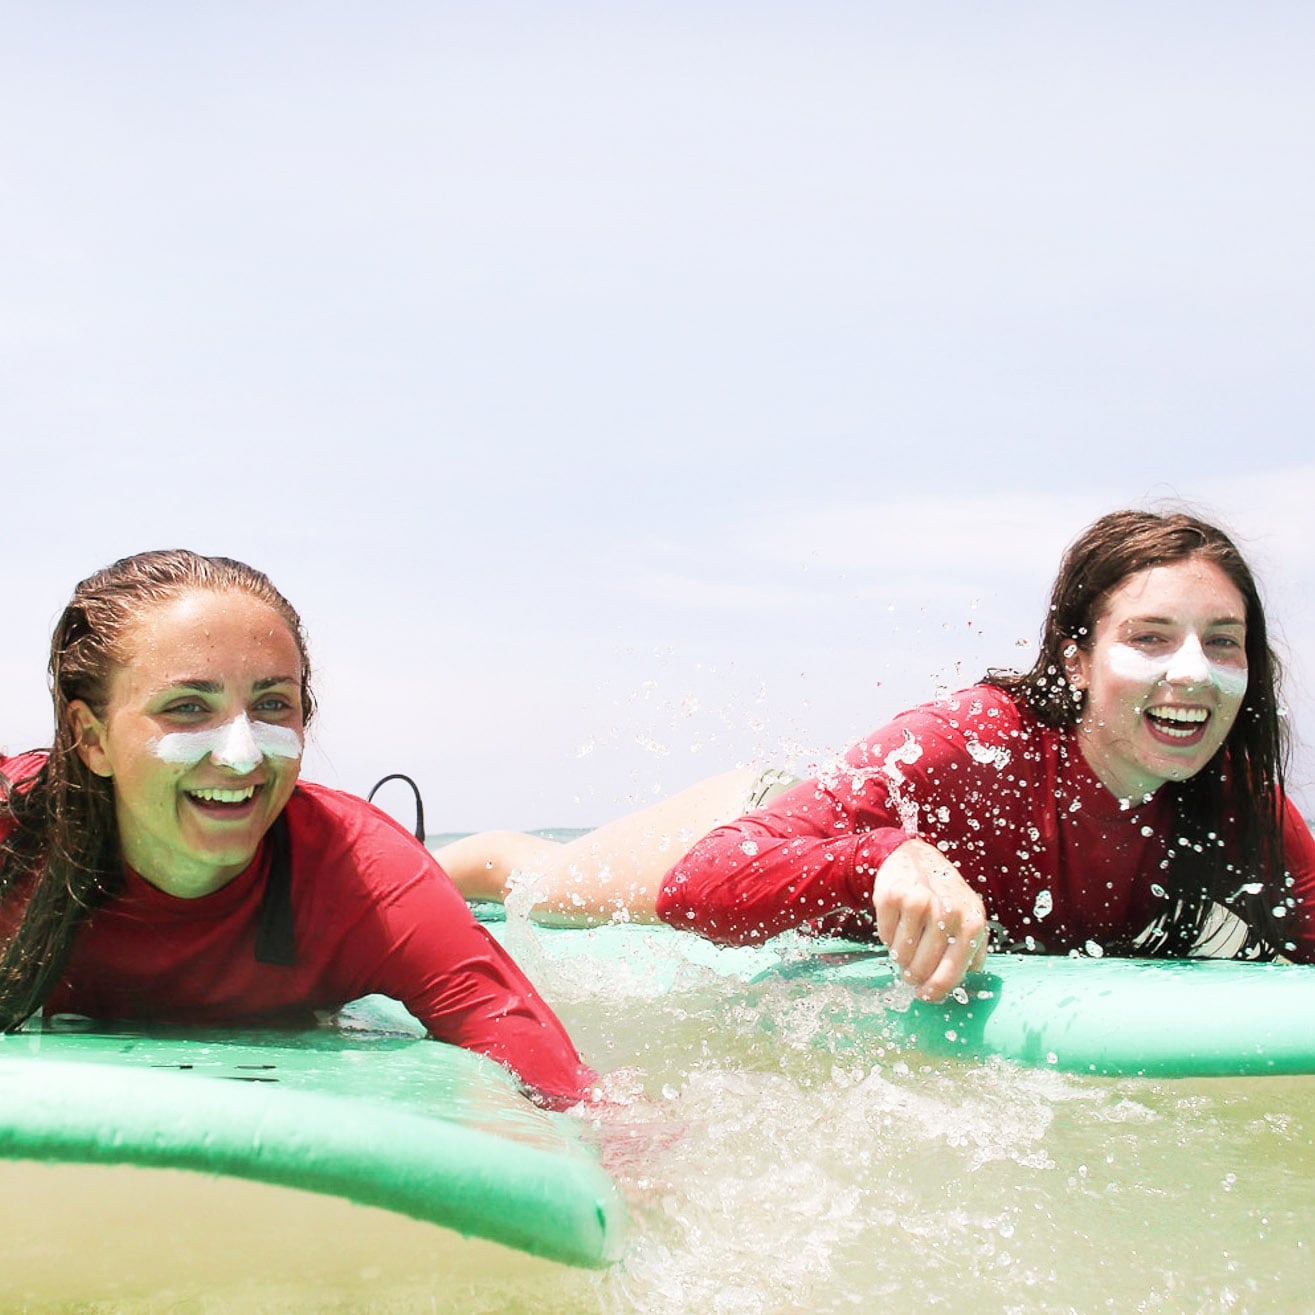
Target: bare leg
[
  {"x": 481, "y": 865},
  {"x": 616, "y": 869}
]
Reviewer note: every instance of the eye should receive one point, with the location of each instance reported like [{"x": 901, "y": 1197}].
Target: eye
[
  {"x": 275, "y": 705},
  {"x": 1225, "y": 644},
  {"x": 184, "y": 708}
]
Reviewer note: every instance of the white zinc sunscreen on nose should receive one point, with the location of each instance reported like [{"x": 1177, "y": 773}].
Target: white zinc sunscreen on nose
[
  {"x": 239, "y": 744},
  {"x": 1188, "y": 662},
  {"x": 1188, "y": 665}
]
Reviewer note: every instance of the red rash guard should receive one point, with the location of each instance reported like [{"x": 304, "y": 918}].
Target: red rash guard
[
  {"x": 372, "y": 913},
  {"x": 1010, "y": 801}
]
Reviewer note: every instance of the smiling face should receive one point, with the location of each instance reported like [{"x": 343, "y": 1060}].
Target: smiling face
[
  {"x": 1164, "y": 675},
  {"x": 201, "y": 736}
]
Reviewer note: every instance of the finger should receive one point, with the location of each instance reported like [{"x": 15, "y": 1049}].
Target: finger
[
  {"x": 888, "y": 916},
  {"x": 979, "y": 954},
  {"x": 906, "y": 940},
  {"x": 928, "y": 955},
  {"x": 917, "y": 942},
  {"x": 959, "y": 945},
  {"x": 950, "y": 969},
  {"x": 890, "y": 898}
]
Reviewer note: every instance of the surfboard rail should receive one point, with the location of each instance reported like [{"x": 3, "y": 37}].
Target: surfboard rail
[
  {"x": 1116, "y": 1017},
  {"x": 462, "y": 1148},
  {"x": 1111, "y": 1016}
]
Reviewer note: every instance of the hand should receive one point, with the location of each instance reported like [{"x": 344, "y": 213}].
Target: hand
[{"x": 930, "y": 918}]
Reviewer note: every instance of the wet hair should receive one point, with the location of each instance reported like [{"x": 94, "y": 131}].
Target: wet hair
[
  {"x": 61, "y": 857},
  {"x": 1229, "y": 835}
]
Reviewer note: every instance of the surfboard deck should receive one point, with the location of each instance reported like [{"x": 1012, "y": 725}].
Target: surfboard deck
[
  {"x": 1131, "y": 1017},
  {"x": 372, "y": 1112}
]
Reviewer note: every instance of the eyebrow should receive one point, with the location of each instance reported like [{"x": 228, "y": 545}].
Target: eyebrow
[
  {"x": 216, "y": 687},
  {"x": 1170, "y": 621}
]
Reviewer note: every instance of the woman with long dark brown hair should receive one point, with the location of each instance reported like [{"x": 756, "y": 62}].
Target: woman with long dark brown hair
[
  {"x": 162, "y": 860},
  {"x": 1125, "y": 795}
]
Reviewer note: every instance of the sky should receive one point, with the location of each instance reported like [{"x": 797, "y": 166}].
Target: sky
[{"x": 626, "y": 392}]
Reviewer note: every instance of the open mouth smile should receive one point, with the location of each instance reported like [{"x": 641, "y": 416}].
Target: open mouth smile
[
  {"x": 216, "y": 800},
  {"x": 1179, "y": 724}
]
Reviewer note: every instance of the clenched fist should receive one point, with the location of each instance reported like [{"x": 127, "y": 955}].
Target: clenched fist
[{"x": 930, "y": 918}]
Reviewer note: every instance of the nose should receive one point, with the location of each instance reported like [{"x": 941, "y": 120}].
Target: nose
[
  {"x": 1189, "y": 665},
  {"x": 237, "y": 748}
]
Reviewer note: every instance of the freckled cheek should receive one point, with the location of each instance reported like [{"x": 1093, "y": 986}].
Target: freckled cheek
[
  {"x": 1113, "y": 694},
  {"x": 145, "y": 796},
  {"x": 285, "y": 782},
  {"x": 1224, "y": 723}
]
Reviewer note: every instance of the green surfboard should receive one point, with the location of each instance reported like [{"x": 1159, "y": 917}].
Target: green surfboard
[
  {"x": 375, "y": 1113},
  {"x": 1155, "y": 1018}
]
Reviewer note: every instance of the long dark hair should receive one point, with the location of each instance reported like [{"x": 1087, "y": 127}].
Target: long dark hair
[
  {"x": 61, "y": 857},
  {"x": 1229, "y": 837}
]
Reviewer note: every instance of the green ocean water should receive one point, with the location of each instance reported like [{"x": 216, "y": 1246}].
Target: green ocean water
[
  {"x": 777, "y": 1158},
  {"x": 782, "y": 1161}
]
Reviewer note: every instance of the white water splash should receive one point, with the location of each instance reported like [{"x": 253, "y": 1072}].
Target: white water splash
[{"x": 997, "y": 756}]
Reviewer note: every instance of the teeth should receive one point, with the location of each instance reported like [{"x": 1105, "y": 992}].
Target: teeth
[
  {"x": 224, "y": 796},
  {"x": 1180, "y": 714},
  {"x": 1180, "y": 722}
]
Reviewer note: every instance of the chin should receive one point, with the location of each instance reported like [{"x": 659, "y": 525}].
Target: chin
[
  {"x": 1180, "y": 772},
  {"x": 236, "y": 853}
]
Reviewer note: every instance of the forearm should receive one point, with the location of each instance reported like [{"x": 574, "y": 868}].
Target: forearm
[
  {"x": 425, "y": 949},
  {"x": 740, "y": 884}
]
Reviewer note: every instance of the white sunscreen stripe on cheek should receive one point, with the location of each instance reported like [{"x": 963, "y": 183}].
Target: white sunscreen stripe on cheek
[
  {"x": 1132, "y": 665},
  {"x": 1230, "y": 680},
  {"x": 191, "y": 746},
  {"x": 276, "y": 741}
]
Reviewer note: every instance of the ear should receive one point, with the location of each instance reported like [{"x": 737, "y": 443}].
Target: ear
[
  {"x": 1075, "y": 664},
  {"x": 89, "y": 738}
]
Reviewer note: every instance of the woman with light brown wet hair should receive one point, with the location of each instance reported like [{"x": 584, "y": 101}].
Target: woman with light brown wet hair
[
  {"x": 162, "y": 859},
  {"x": 1125, "y": 795}
]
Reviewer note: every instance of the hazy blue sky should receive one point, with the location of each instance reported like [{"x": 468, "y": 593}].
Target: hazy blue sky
[{"x": 626, "y": 391}]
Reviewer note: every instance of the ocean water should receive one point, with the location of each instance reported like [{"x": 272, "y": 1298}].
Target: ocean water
[{"x": 777, "y": 1157}]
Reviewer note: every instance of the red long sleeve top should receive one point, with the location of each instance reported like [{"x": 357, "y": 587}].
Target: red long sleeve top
[
  {"x": 372, "y": 912},
  {"x": 1011, "y": 801}
]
